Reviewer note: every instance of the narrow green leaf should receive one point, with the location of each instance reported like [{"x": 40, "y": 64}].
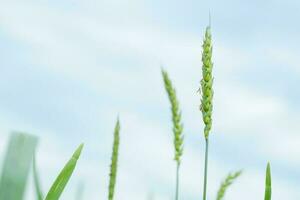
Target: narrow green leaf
[
  {"x": 36, "y": 180},
  {"x": 114, "y": 162},
  {"x": 226, "y": 183},
  {"x": 17, "y": 166},
  {"x": 268, "y": 189},
  {"x": 64, "y": 176}
]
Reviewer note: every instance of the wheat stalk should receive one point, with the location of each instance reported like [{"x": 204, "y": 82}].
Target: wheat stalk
[
  {"x": 207, "y": 96},
  {"x": 226, "y": 183},
  {"x": 177, "y": 125},
  {"x": 114, "y": 161}
]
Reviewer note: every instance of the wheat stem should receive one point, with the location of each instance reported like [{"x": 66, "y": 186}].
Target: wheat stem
[
  {"x": 177, "y": 182},
  {"x": 205, "y": 169}
]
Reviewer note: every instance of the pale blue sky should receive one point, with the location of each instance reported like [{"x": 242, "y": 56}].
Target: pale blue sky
[{"x": 69, "y": 68}]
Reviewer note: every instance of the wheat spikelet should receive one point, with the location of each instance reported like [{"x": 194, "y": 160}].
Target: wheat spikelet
[
  {"x": 114, "y": 161},
  {"x": 207, "y": 82},
  {"x": 226, "y": 183},
  {"x": 176, "y": 117}
]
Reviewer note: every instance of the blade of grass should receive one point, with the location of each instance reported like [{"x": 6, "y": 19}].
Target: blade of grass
[
  {"x": 226, "y": 183},
  {"x": 114, "y": 162},
  {"x": 177, "y": 126},
  {"x": 268, "y": 189},
  {"x": 16, "y": 167},
  {"x": 36, "y": 180},
  {"x": 64, "y": 176}
]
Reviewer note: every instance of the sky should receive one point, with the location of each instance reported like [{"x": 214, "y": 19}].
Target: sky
[{"x": 69, "y": 68}]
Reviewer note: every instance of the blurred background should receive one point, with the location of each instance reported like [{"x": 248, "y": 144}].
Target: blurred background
[{"x": 69, "y": 68}]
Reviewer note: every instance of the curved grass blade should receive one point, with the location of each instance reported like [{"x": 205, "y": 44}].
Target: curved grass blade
[
  {"x": 36, "y": 180},
  {"x": 226, "y": 183},
  {"x": 16, "y": 166},
  {"x": 114, "y": 162},
  {"x": 64, "y": 176},
  {"x": 268, "y": 189}
]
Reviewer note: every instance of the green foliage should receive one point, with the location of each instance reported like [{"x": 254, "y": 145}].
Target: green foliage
[
  {"x": 64, "y": 176},
  {"x": 36, "y": 180},
  {"x": 21, "y": 148},
  {"x": 16, "y": 167},
  {"x": 176, "y": 117},
  {"x": 226, "y": 183},
  {"x": 268, "y": 189},
  {"x": 114, "y": 162},
  {"x": 207, "y": 82}
]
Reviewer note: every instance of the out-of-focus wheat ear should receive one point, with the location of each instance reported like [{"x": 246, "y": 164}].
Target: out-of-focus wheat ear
[
  {"x": 176, "y": 117},
  {"x": 268, "y": 187},
  {"x": 114, "y": 161},
  {"x": 226, "y": 183},
  {"x": 177, "y": 126}
]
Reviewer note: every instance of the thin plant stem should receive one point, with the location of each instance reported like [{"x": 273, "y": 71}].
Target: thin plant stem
[
  {"x": 205, "y": 169},
  {"x": 177, "y": 182}
]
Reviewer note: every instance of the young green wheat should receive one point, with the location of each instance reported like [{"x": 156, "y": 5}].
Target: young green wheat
[
  {"x": 226, "y": 183},
  {"x": 207, "y": 96},
  {"x": 206, "y": 83},
  {"x": 177, "y": 126},
  {"x": 114, "y": 161}
]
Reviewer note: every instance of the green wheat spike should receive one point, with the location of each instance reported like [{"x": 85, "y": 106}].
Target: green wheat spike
[
  {"x": 268, "y": 189},
  {"x": 176, "y": 117},
  {"x": 177, "y": 125},
  {"x": 226, "y": 183},
  {"x": 207, "y": 83},
  {"x": 207, "y": 96},
  {"x": 114, "y": 161}
]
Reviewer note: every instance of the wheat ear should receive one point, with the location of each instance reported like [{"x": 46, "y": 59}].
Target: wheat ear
[
  {"x": 177, "y": 125},
  {"x": 114, "y": 161},
  {"x": 226, "y": 183},
  {"x": 207, "y": 96}
]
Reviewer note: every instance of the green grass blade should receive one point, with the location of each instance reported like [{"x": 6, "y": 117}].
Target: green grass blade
[
  {"x": 268, "y": 189},
  {"x": 17, "y": 166},
  {"x": 226, "y": 183},
  {"x": 36, "y": 180},
  {"x": 64, "y": 176},
  {"x": 114, "y": 162}
]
